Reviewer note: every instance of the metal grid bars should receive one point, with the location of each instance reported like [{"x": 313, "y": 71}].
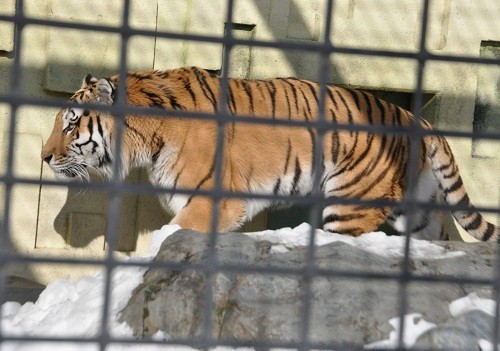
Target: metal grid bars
[{"x": 117, "y": 188}]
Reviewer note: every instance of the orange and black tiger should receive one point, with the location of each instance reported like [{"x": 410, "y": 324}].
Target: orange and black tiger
[{"x": 265, "y": 159}]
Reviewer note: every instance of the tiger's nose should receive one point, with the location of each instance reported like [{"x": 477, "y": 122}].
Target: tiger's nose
[{"x": 47, "y": 158}]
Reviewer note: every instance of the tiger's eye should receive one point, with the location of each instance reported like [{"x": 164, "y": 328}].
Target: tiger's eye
[{"x": 86, "y": 112}]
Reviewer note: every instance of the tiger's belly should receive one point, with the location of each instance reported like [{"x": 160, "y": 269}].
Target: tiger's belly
[
  {"x": 171, "y": 202},
  {"x": 297, "y": 182},
  {"x": 291, "y": 184}
]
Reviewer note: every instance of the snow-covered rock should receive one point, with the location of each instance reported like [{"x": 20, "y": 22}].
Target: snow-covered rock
[{"x": 268, "y": 306}]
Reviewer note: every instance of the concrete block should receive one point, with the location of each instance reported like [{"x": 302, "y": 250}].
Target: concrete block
[
  {"x": 205, "y": 18},
  {"x": 143, "y": 14},
  {"x": 91, "y": 11},
  {"x": 172, "y": 17},
  {"x": 305, "y": 19},
  {"x": 52, "y": 226},
  {"x": 439, "y": 24},
  {"x": 4, "y": 125},
  {"x": 150, "y": 216},
  {"x": 24, "y": 202},
  {"x": 56, "y": 205},
  {"x": 194, "y": 17},
  {"x": 71, "y": 54},
  {"x": 487, "y": 103},
  {"x": 278, "y": 19},
  {"x": 5, "y": 72},
  {"x": 80, "y": 224},
  {"x": 390, "y": 24},
  {"x": 281, "y": 20},
  {"x": 253, "y": 12},
  {"x": 7, "y": 7},
  {"x": 240, "y": 58},
  {"x": 470, "y": 22}
]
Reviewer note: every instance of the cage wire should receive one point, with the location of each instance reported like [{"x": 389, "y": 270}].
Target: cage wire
[{"x": 117, "y": 188}]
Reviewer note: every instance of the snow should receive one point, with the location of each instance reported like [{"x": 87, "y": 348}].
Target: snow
[
  {"x": 378, "y": 243},
  {"x": 485, "y": 345},
  {"x": 470, "y": 303},
  {"x": 414, "y": 327},
  {"x": 73, "y": 308}
]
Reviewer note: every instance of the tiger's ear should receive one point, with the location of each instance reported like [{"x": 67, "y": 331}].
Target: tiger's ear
[
  {"x": 88, "y": 80},
  {"x": 106, "y": 91}
]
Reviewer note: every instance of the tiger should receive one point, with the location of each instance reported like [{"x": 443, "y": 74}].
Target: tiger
[{"x": 270, "y": 159}]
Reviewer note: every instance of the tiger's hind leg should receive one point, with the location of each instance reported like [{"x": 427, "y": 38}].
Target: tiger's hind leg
[
  {"x": 424, "y": 224},
  {"x": 352, "y": 220}
]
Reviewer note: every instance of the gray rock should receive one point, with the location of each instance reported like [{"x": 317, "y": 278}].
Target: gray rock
[
  {"x": 269, "y": 307},
  {"x": 447, "y": 338},
  {"x": 462, "y": 333}
]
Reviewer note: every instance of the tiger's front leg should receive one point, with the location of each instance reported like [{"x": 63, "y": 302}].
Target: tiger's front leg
[{"x": 198, "y": 215}]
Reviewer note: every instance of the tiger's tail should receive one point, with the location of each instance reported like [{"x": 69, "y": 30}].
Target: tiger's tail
[{"x": 446, "y": 172}]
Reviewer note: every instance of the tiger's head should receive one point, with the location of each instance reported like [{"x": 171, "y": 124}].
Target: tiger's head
[{"x": 82, "y": 138}]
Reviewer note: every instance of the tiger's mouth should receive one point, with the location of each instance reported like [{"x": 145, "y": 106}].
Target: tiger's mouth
[
  {"x": 69, "y": 173},
  {"x": 80, "y": 172}
]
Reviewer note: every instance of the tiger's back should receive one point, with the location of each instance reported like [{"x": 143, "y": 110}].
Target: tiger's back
[{"x": 269, "y": 159}]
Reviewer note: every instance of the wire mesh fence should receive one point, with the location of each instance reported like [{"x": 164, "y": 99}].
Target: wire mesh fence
[{"x": 117, "y": 188}]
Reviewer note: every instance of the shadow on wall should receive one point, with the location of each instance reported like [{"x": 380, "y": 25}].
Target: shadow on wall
[
  {"x": 83, "y": 218},
  {"x": 301, "y": 61}
]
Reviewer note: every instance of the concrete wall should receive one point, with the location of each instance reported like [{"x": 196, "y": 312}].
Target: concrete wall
[{"x": 64, "y": 223}]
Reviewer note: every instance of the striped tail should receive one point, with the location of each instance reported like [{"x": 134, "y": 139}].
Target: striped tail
[{"x": 446, "y": 172}]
